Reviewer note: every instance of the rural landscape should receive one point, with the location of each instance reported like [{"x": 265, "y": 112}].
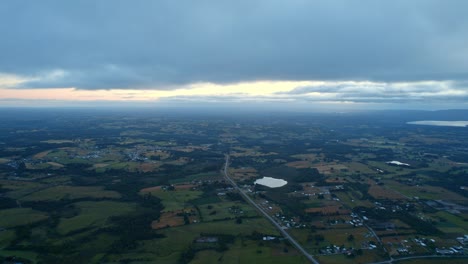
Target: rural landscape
[{"x": 82, "y": 186}]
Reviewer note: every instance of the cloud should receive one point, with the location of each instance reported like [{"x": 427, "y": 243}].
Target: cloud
[
  {"x": 164, "y": 44},
  {"x": 397, "y": 93}
]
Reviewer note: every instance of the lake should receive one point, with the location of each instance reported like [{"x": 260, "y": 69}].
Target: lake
[
  {"x": 440, "y": 123},
  {"x": 271, "y": 182}
]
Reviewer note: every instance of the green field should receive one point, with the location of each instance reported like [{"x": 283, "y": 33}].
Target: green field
[
  {"x": 199, "y": 176},
  {"x": 93, "y": 214},
  {"x": 223, "y": 210},
  {"x": 251, "y": 252},
  {"x": 20, "y": 216},
  {"x": 176, "y": 200},
  {"x": 70, "y": 192},
  {"x": 179, "y": 238}
]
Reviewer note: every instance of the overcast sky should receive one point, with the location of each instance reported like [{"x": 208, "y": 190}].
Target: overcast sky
[{"x": 381, "y": 54}]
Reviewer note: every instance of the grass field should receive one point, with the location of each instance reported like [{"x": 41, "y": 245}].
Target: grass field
[
  {"x": 177, "y": 199},
  {"x": 251, "y": 252},
  {"x": 455, "y": 221},
  {"x": 70, "y": 192},
  {"x": 337, "y": 236},
  {"x": 21, "y": 254},
  {"x": 199, "y": 176},
  {"x": 425, "y": 192},
  {"x": 223, "y": 210},
  {"x": 179, "y": 238},
  {"x": 379, "y": 192},
  {"x": 20, "y": 216},
  {"x": 93, "y": 214},
  {"x": 368, "y": 256}
]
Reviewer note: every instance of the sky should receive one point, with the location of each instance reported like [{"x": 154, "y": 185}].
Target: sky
[{"x": 295, "y": 54}]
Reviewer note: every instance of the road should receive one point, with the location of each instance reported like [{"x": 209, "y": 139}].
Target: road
[{"x": 267, "y": 216}]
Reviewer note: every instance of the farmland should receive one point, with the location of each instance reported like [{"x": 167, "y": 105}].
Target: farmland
[{"x": 149, "y": 188}]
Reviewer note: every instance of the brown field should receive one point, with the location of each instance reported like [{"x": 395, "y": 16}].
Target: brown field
[
  {"x": 329, "y": 210},
  {"x": 180, "y": 161},
  {"x": 3, "y": 160},
  {"x": 379, "y": 192},
  {"x": 161, "y": 154},
  {"x": 337, "y": 180},
  {"x": 243, "y": 173},
  {"x": 147, "y": 167},
  {"x": 151, "y": 189},
  {"x": 168, "y": 219},
  {"x": 172, "y": 219},
  {"x": 55, "y": 164},
  {"x": 100, "y": 165},
  {"x": 299, "y": 164},
  {"x": 330, "y": 168},
  {"x": 42, "y": 154}
]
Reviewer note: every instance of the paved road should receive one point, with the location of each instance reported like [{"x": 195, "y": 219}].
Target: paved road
[{"x": 282, "y": 231}]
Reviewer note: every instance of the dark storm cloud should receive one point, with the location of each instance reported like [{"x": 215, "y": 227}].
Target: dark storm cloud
[{"x": 162, "y": 44}]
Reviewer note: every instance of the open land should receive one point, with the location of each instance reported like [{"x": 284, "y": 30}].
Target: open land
[{"x": 150, "y": 188}]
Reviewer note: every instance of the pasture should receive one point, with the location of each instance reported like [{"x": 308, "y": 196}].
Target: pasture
[
  {"x": 20, "y": 216},
  {"x": 93, "y": 214},
  {"x": 70, "y": 192}
]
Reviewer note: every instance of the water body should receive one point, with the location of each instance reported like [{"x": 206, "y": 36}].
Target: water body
[
  {"x": 440, "y": 123},
  {"x": 271, "y": 182},
  {"x": 396, "y": 162}
]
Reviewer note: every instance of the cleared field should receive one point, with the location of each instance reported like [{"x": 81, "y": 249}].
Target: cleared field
[
  {"x": 368, "y": 256},
  {"x": 330, "y": 168},
  {"x": 133, "y": 166},
  {"x": 301, "y": 164},
  {"x": 251, "y": 252},
  {"x": 70, "y": 192},
  {"x": 20, "y": 216},
  {"x": 199, "y": 177},
  {"x": 336, "y": 236},
  {"x": 307, "y": 156},
  {"x": 225, "y": 210},
  {"x": 426, "y": 192},
  {"x": 168, "y": 219},
  {"x": 3, "y": 160},
  {"x": 57, "y": 141},
  {"x": 249, "y": 152},
  {"x": 179, "y": 238},
  {"x": 329, "y": 210},
  {"x": 243, "y": 173},
  {"x": 93, "y": 214},
  {"x": 379, "y": 192},
  {"x": 42, "y": 154},
  {"x": 455, "y": 220},
  {"x": 18, "y": 189},
  {"x": 358, "y": 167},
  {"x": 55, "y": 164},
  {"x": 177, "y": 199}
]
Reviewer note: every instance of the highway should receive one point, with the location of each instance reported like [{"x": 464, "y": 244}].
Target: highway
[{"x": 282, "y": 231}]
